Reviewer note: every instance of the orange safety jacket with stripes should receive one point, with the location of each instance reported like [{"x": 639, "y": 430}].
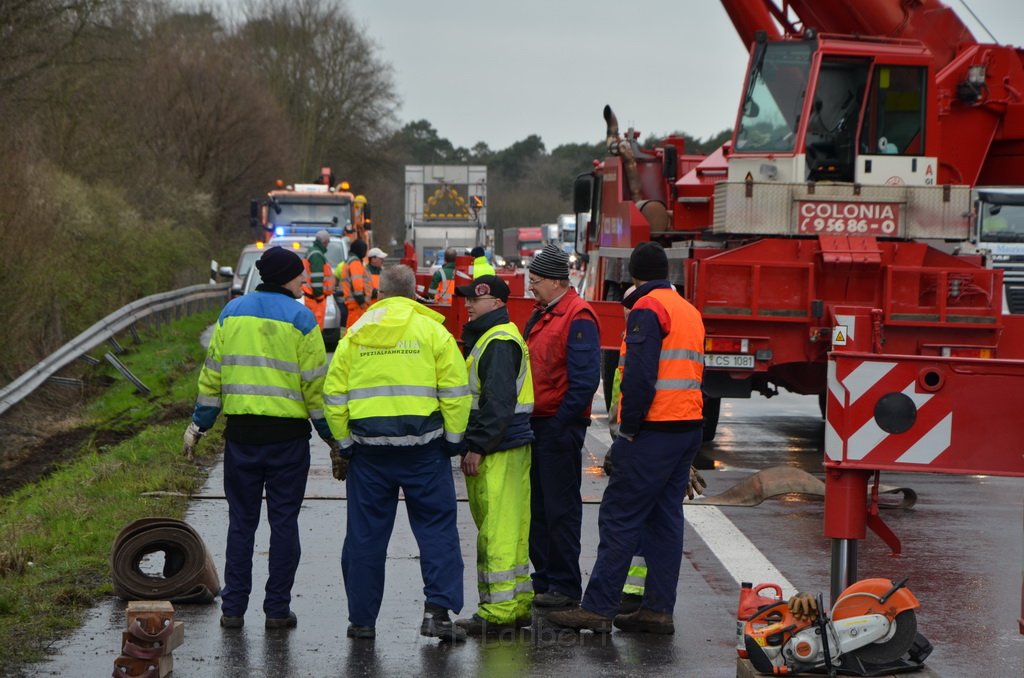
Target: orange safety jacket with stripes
[
  {"x": 664, "y": 362},
  {"x": 356, "y": 284}
]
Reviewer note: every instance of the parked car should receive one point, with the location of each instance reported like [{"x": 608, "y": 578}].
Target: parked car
[
  {"x": 248, "y": 257},
  {"x": 333, "y": 327}
]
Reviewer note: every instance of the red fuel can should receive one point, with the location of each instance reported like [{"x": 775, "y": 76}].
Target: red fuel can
[{"x": 750, "y": 600}]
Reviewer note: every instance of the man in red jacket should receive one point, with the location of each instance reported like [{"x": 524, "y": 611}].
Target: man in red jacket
[{"x": 565, "y": 356}]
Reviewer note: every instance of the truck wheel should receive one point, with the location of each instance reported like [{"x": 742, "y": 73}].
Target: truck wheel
[
  {"x": 712, "y": 408},
  {"x": 822, "y": 402}
]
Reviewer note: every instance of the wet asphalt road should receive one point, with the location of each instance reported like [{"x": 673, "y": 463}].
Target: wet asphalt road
[{"x": 962, "y": 551}]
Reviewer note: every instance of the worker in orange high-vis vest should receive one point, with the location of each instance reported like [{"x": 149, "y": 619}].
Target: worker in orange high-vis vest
[
  {"x": 660, "y": 432},
  {"x": 374, "y": 264},
  {"x": 442, "y": 284},
  {"x": 633, "y": 590},
  {"x": 319, "y": 281},
  {"x": 355, "y": 282}
]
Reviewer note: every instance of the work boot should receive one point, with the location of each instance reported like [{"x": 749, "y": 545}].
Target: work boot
[
  {"x": 630, "y": 603},
  {"x": 437, "y": 624},
  {"x": 646, "y": 621},
  {"x": 554, "y": 599},
  {"x": 229, "y": 622},
  {"x": 289, "y": 622},
  {"x": 361, "y": 632},
  {"x": 580, "y": 618}
]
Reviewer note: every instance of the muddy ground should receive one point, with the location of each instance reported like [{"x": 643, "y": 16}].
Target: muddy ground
[{"x": 46, "y": 430}]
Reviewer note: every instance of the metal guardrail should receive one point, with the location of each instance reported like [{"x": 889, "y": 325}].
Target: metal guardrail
[{"x": 103, "y": 331}]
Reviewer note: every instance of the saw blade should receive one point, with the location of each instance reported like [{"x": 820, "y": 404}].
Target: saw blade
[{"x": 895, "y": 647}]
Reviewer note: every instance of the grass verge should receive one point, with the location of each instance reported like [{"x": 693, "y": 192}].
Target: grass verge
[{"x": 56, "y": 534}]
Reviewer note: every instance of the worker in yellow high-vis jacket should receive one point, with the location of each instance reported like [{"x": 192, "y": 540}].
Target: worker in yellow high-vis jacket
[
  {"x": 497, "y": 459},
  {"x": 397, "y": 398}
]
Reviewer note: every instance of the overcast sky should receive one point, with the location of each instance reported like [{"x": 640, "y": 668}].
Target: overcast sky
[{"x": 499, "y": 70}]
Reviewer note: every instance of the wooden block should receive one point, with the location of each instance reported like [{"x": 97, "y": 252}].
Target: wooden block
[
  {"x": 175, "y": 640},
  {"x": 152, "y": 615},
  {"x": 150, "y": 606},
  {"x": 130, "y": 666}
]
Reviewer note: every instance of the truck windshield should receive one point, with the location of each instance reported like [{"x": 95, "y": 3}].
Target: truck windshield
[
  {"x": 774, "y": 98},
  {"x": 1004, "y": 224},
  {"x": 334, "y": 214}
]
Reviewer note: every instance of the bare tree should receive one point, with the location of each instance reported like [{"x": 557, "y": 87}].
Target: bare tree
[
  {"x": 323, "y": 69},
  {"x": 207, "y": 114}
]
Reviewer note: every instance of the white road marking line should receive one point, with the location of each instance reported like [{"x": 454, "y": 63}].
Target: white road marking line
[{"x": 737, "y": 554}]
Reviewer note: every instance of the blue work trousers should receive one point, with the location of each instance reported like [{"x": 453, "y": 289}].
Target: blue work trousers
[
  {"x": 556, "y": 507},
  {"x": 643, "y": 505},
  {"x": 280, "y": 469},
  {"x": 374, "y": 479}
]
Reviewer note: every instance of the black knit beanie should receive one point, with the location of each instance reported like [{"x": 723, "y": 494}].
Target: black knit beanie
[
  {"x": 358, "y": 248},
  {"x": 278, "y": 266},
  {"x": 648, "y": 262},
  {"x": 551, "y": 263}
]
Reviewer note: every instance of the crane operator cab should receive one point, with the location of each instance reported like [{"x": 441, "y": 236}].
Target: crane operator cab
[{"x": 830, "y": 108}]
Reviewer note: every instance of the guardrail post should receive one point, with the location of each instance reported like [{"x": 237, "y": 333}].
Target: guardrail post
[
  {"x": 123, "y": 369},
  {"x": 118, "y": 349},
  {"x": 67, "y": 381}
]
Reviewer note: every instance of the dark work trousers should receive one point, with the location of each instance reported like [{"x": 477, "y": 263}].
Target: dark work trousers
[
  {"x": 425, "y": 478},
  {"x": 556, "y": 508},
  {"x": 643, "y": 504},
  {"x": 280, "y": 469}
]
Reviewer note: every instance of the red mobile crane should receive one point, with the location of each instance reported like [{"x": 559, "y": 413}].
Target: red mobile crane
[{"x": 827, "y": 245}]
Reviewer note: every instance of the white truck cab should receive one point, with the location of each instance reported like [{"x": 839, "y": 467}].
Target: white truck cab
[{"x": 999, "y": 234}]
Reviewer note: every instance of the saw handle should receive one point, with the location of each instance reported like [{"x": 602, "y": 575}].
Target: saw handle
[
  {"x": 895, "y": 587},
  {"x": 822, "y": 623}
]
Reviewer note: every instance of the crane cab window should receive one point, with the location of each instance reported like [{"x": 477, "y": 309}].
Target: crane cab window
[
  {"x": 832, "y": 124},
  {"x": 894, "y": 123},
  {"x": 774, "y": 97}
]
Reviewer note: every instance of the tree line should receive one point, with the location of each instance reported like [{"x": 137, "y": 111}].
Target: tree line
[{"x": 135, "y": 132}]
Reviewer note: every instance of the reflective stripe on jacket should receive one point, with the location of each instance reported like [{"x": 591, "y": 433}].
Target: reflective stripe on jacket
[
  {"x": 266, "y": 357},
  {"x": 442, "y": 285},
  {"x": 677, "y": 395},
  {"x": 398, "y": 379}
]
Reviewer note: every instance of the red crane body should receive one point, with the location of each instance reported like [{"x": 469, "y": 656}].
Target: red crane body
[{"x": 828, "y": 244}]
